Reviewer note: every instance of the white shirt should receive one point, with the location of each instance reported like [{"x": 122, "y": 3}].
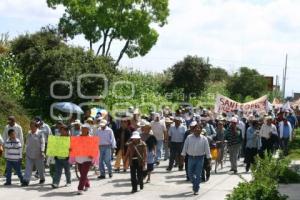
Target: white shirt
[
  {"x": 46, "y": 130},
  {"x": 265, "y": 130},
  {"x": 281, "y": 125},
  {"x": 19, "y": 132},
  {"x": 1, "y": 140},
  {"x": 158, "y": 129},
  {"x": 106, "y": 137},
  {"x": 196, "y": 146},
  {"x": 82, "y": 159},
  {"x": 242, "y": 126}
]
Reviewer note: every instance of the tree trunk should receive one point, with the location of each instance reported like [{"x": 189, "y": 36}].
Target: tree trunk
[
  {"x": 108, "y": 47},
  {"x": 91, "y": 45},
  {"x": 122, "y": 53},
  {"x": 104, "y": 41}
]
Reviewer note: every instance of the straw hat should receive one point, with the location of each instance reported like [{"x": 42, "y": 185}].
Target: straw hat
[{"x": 103, "y": 123}]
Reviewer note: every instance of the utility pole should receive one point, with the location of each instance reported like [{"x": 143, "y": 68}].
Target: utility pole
[{"x": 284, "y": 76}]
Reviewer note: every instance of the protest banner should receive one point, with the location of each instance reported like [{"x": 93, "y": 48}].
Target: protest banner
[
  {"x": 225, "y": 104},
  {"x": 58, "y": 146},
  {"x": 84, "y": 146}
]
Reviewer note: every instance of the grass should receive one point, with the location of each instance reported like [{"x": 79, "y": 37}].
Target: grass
[{"x": 294, "y": 147}]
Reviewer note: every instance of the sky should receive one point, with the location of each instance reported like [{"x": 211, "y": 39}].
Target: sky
[{"x": 231, "y": 33}]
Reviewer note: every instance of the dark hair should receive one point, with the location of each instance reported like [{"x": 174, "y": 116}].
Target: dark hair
[
  {"x": 34, "y": 123},
  {"x": 65, "y": 127},
  {"x": 10, "y": 131}
]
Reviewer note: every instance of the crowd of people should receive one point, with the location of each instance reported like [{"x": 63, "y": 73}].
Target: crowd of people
[{"x": 188, "y": 138}]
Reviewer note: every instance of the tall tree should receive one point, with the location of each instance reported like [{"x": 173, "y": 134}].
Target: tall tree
[
  {"x": 190, "y": 76},
  {"x": 246, "y": 82},
  {"x": 104, "y": 21},
  {"x": 43, "y": 58},
  {"x": 218, "y": 74}
]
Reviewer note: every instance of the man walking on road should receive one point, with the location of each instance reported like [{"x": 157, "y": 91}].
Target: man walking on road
[
  {"x": 176, "y": 135},
  {"x": 160, "y": 133},
  {"x": 197, "y": 147},
  {"x": 234, "y": 137},
  {"x": 107, "y": 142},
  {"x": 11, "y": 124}
]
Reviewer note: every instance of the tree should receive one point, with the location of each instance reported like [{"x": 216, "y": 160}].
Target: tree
[
  {"x": 190, "y": 76},
  {"x": 218, "y": 74},
  {"x": 102, "y": 21},
  {"x": 246, "y": 82},
  {"x": 43, "y": 58}
]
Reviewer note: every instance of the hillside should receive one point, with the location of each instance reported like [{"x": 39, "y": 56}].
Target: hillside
[{"x": 10, "y": 107}]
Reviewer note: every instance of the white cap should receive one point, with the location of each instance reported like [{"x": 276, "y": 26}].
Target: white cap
[
  {"x": 156, "y": 115},
  {"x": 178, "y": 118},
  {"x": 193, "y": 123},
  {"x": 143, "y": 123},
  {"x": 135, "y": 135},
  {"x": 77, "y": 121},
  {"x": 86, "y": 125},
  {"x": 103, "y": 123},
  {"x": 234, "y": 120}
]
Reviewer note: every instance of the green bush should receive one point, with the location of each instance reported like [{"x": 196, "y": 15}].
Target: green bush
[
  {"x": 266, "y": 173},
  {"x": 256, "y": 190},
  {"x": 289, "y": 176}
]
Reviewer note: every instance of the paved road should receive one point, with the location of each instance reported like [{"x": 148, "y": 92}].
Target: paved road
[{"x": 163, "y": 185}]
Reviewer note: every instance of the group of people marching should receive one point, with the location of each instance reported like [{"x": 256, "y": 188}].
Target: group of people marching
[{"x": 185, "y": 138}]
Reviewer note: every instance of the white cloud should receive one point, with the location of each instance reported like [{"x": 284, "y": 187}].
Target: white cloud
[{"x": 35, "y": 10}]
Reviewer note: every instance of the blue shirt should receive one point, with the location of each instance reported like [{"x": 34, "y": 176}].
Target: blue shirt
[
  {"x": 286, "y": 131},
  {"x": 177, "y": 133},
  {"x": 253, "y": 139},
  {"x": 292, "y": 120}
]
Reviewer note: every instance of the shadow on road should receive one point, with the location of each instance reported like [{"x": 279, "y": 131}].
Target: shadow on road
[
  {"x": 180, "y": 195},
  {"x": 115, "y": 194},
  {"x": 59, "y": 194},
  {"x": 175, "y": 176},
  {"x": 178, "y": 181}
]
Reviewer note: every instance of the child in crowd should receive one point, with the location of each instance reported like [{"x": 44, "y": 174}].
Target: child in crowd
[{"x": 13, "y": 156}]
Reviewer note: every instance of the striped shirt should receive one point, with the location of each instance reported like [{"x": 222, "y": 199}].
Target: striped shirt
[
  {"x": 13, "y": 150},
  {"x": 233, "y": 137}
]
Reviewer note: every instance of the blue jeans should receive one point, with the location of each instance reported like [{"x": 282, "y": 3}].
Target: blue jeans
[
  {"x": 105, "y": 158},
  {"x": 195, "y": 166},
  {"x": 61, "y": 164},
  {"x": 159, "y": 149},
  {"x": 16, "y": 165}
]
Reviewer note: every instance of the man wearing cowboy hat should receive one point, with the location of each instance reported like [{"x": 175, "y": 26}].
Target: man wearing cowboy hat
[
  {"x": 234, "y": 137},
  {"x": 107, "y": 142},
  {"x": 76, "y": 128},
  {"x": 176, "y": 137},
  {"x": 186, "y": 159}
]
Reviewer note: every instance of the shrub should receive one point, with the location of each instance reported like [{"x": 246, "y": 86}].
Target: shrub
[{"x": 266, "y": 173}]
